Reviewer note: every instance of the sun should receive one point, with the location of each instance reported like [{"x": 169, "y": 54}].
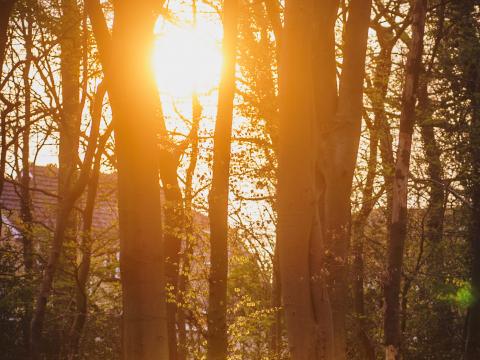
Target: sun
[{"x": 186, "y": 59}]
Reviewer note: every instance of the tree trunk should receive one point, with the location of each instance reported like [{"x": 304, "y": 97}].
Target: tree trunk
[
  {"x": 69, "y": 129},
  {"x": 434, "y": 219},
  {"x": 340, "y": 156},
  {"x": 378, "y": 96},
  {"x": 217, "y": 346},
  {"x": 69, "y": 139},
  {"x": 398, "y": 223},
  {"x": 466, "y": 24},
  {"x": 38, "y": 318},
  {"x": 174, "y": 224},
  {"x": 135, "y": 103},
  {"x": 189, "y": 229},
  {"x": 25, "y": 195},
  {"x": 472, "y": 344},
  {"x": 61, "y": 227},
  {"x": 81, "y": 296},
  {"x": 367, "y": 350},
  {"x": 6, "y": 7},
  {"x": 276, "y": 301},
  {"x": 273, "y": 13},
  {"x": 299, "y": 236},
  {"x": 70, "y": 116}
]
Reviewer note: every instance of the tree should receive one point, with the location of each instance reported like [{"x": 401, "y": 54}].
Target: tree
[
  {"x": 309, "y": 104},
  {"x": 85, "y": 247},
  {"x": 66, "y": 207},
  {"x": 6, "y": 7},
  {"x": 340, "y": 134},
  {"x": 369, "y": 200},
  {"x": 26, "y": 197},
  {"x": 299, "y": 235},
  {"x": 133, "y": 95},
  {"x": 69, "y": 189},
  {"x": 218, "y": 197},
  {"x": 469, "y": 51},
  {"x": 398, "y": 224}
]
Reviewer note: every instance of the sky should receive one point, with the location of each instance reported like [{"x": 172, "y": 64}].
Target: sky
[{"x": 186, "y": 59}]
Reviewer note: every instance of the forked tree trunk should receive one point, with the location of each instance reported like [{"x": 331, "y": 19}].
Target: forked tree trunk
[
  {"x": 217, "y": 339},
  {"x": 82, "y": 275},
  {"x": 339, "y": 162},
  {"x": 66, "y": 206},
  {"x": 136, "y": 107},
  {"x": 398, "y": 223},
  {"x": 69, "y": 129},
  {"x": 299, "y": 235}
]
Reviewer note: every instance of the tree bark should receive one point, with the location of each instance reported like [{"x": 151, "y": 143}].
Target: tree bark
[
  {"x": 339, "y": 162},
  {"x": 276, "y": 301},
  {"x": 69, "y": 139},
  {"x": 378, "y": 96},
  {"x": 189, "y": 229},
  {"x": 64, "y": 212},
  {"x": 466, "y": 24},
  {"x": 273, "y": 13},
  {"x": 367, "y": 350},
  {"x": 6, "y": 7},
  {"x": 25, "y": 195},
  {"x": 70, "y": 116},
  {"x": 136, "y": 112},
  {"x": 472, "y": 343},
  {"x": 398, "y": 222},
  {"x": 217, "y": 339},
  {"x": 69, "y": 129},
  {"x": 434, "y": 218},
  {"x": 82, "y": 275},
  {"x": 81, "y": 296},
  {"x": 299, "y": 236},
  {"x": 174, "y": 225}
]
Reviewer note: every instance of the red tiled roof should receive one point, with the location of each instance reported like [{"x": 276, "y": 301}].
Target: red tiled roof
[{"x": 44, "y": 189}]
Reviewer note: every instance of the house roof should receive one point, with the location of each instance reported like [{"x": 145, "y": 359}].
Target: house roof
[{"x": 44, "y": 192}]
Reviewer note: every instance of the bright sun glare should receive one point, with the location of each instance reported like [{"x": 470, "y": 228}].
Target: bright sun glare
[{"x": 186, "y": 58}]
